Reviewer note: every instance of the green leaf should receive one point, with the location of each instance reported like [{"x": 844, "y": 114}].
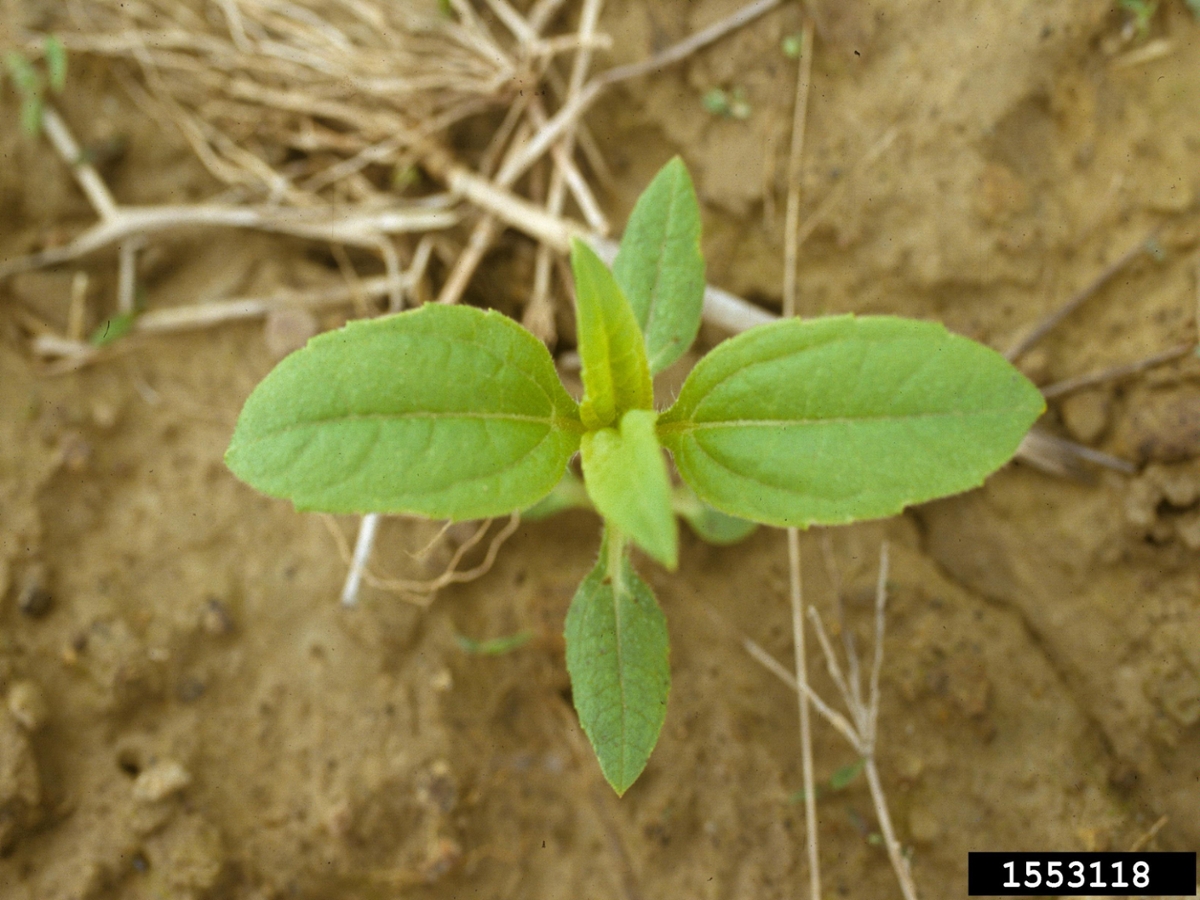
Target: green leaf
[
  {"x": 495, "y": 646},
  {"x": 616, "y": 376},
  {"x": 56, "y": 62},
  {"x": 831, "y": 420},
  {"x": 444, "y": 411},
  {"x": 711, "y": 525},
  {"x": 617, "y": 652},
  {"x": 24, "y": 77},
  {"x": 112, "y": 328},
  {"x": 626, "y": 477},
  {"x": 844, "y": 776},
  {"x": 660, "y": 267}
]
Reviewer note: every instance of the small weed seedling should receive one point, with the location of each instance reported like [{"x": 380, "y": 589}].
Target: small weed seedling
[
  {"x": 454, "y": 412},
  {"x": 31, "y": 84}
]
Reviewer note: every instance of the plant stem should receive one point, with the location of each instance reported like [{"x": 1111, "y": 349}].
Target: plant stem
[{"x": 615, "y": 543}]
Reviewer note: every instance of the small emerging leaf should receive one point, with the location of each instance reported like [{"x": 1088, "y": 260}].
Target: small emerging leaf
[
  {"x": 24, "y": 77},
  {"x": 56, "y": 63},
  {"x": 711, "y": 525},
  {"x": 826, "y": 421},
  {"x": 660, "y": 267},
  {"x": 495, "y": 646},
  {"x": 846, "y": 774},
  {"x": 617, "y": 651},
  {"x": 444, "y": 411},
  {"x": 616, "y": 376},
  {"x": 112, "y": 328},
  {"x": 569, "y": 493},
  {"x": 626, "y": 477}
]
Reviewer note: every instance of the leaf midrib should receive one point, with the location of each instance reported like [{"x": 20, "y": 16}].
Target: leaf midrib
[
  {"x": 687, "y": 426},
  {"x": 561, "y": 423}
]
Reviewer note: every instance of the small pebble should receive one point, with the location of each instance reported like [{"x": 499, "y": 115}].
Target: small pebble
[
  {"x": 104, "y": 414},
  {"x": 1187, "y": 529},
  {"x": 215, "y": 619},
  {"x": 1162, "y": 426},
  {"x": 1141, "y": 503},
  {"x": 34, "y": 600},
  {"x": 75, "y": 452},
  {"x": 1179, "y": 484},
  {"x": 1086, "y": 415},
  {"x": 160, "y": 780},
  {"x": 28, "y": 705},
  {"x": 189, "y": 690}
]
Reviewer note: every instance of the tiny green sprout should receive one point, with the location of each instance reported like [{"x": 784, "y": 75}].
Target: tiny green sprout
[
  {"x": 1141, "y": 14},
  {"x": 838, "y": 781},
  {"x": 456, "y": 413},
  {"x": 112, "y": 328},
  {"x": 31, "y": 84},
  {"x": 727, "y": 104},
  {"x": 1194, "y": 6},
  {"x": 792, "y": 45},
  {"x": 495, "y": 646}
]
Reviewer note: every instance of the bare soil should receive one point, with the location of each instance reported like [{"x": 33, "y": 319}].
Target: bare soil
[{"x": 190, "y": 713}]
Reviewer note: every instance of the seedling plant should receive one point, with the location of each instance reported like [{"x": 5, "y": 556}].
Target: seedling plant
[{"x": 454, "y": 412}]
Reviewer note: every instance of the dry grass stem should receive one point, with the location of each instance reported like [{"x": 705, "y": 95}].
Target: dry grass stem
[
  {"x": 1058, "y": 456},
  {"x": 1114, "y": 373},
  {"x": 861, "y": 728},
  {"x": 1052, "y": 320},
  {"x": 791, "y": 250}
]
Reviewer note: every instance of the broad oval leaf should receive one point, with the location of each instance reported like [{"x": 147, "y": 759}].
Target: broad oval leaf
[
  {"x": 616, "y": 376},
  {"x": 826, "y": 421},
  {"x": 626, "y": 477},
  {"x": 617, "y": 657},
  {"x": 444, "y": 411},
  {"x": 660, "y": 267}
]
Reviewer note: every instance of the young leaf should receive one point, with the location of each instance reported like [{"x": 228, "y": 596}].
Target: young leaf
[
  {"x": 829, "y": 420},
  {"x": 660, "y": 267},
  {"x": 617, "y": 659},
  {"x": 616, "y": 376},
  {"x": 626, "y": 477},
  {"x": 112, "y": 328},
  {"x": 56, "y": 62},
  {"x": 444, "y": 411}
]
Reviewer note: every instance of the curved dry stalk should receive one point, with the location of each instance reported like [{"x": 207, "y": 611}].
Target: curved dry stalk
[{"x": 861, "y": 733}]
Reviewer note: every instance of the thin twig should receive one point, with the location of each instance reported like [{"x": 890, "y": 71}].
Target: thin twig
[
  {"x": 1113, "y": 373},
  {"x": 573, "y": 109},
  {"x": 1051, "y": 321},
  {"x": 862, "y": 734},
  {"x": 791, "y": 244},
  {"x": 68, "y": 150},
  {"x": 791, "y": 248},
  {"x": 539, "y": 312}
]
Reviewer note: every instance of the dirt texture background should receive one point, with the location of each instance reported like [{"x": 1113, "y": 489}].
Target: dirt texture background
[{"x": 190, "y": 714}]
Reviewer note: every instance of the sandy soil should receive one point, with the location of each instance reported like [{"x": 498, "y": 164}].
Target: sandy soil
[{"x": 190, "y": 714}]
